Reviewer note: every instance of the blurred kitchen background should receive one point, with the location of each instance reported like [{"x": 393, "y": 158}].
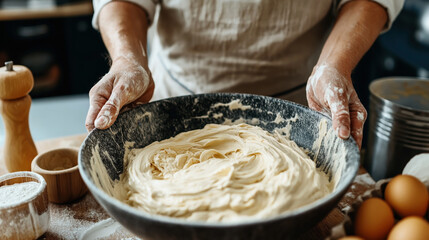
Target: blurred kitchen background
[
  {"x": 59, "y": 45},
  {"x": 55, "y": 39}
]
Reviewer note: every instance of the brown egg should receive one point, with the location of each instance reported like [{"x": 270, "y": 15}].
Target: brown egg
[
  {"x": 351, "y": 238},
  {"x": 410, "y": 228},
  {"x": 373, "y": 219},
  {"x": 407, "y": 195}
]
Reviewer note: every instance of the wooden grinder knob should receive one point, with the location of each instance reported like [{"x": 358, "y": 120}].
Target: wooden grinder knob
[
  {"x": 15, "y": 81},
  {"x": 15, "y": 84}
]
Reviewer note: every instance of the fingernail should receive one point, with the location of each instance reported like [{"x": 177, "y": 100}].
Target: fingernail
[
  {"x": 344, "y": 132},
  {"x": 101, "y": 122}
]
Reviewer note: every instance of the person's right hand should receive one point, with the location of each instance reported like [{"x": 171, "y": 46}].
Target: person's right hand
[{"x": 127, "y": 82}]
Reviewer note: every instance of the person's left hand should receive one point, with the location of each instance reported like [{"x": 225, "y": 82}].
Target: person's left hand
[{"x": 332, "y": 93}]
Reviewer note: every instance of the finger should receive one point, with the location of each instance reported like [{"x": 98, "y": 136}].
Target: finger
[
  {"x": 110, "y": 111},
  {"x": 340, "y": 117},
  {"x": 98, "y": 95},
  {"x": 358, "y": 115},
  {"x": 97, "y": 98},
  {"x": 314, "y": 103},
  {"x": 90, "y": 117}
]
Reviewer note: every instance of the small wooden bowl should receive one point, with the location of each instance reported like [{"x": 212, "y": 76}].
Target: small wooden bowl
[
  {"x": 59, "y": 167},
  {"x": 24, "y": 206}
]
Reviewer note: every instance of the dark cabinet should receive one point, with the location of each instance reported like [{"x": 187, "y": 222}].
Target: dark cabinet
[{"x": 66, "y": 55}]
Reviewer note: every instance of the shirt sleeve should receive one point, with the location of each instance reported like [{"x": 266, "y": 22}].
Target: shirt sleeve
[
  {"x": 393, "y": 7},
  {"x": 147, "y": 5}
]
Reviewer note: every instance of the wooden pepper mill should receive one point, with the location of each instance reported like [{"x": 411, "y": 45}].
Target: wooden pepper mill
[{"x": 15, "y": 84}]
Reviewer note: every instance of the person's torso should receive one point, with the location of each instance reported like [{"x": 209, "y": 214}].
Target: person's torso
[{"x": 257, "y": 46}]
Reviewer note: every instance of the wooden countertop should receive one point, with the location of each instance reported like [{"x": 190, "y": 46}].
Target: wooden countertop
[
  {"x": 66, "y": 10},
  {"x": 69, "y": 221}
]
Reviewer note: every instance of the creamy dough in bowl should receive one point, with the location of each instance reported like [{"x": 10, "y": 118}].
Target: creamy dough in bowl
[{"x": 223, "y": 173}]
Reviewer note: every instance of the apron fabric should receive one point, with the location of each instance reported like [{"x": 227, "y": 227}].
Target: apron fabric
[
  {"x": 249, "y": 46},
  {"x": 265, "y": 47}
]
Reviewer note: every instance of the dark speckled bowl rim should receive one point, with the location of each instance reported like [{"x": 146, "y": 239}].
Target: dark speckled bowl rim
[{"x": 338, "y": 192}]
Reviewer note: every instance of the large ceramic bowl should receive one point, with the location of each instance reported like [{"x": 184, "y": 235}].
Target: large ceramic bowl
[{"x": 102, "y": 153}]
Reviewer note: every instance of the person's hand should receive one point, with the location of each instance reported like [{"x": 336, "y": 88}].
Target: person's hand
[
  {"x": 127, "y": 82},
  {"x": 332, "y": 93}
]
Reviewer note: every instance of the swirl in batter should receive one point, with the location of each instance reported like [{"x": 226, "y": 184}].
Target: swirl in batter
[{"x": 223, "y": 173}]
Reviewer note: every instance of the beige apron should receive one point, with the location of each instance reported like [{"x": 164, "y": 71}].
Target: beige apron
[{"x": 265, "y": 47}]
